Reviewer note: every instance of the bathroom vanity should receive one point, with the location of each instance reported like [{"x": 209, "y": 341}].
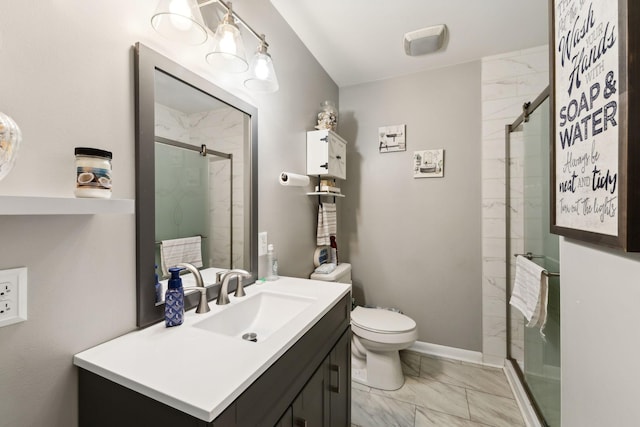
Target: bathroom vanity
[{"x": 203, "y": 373}]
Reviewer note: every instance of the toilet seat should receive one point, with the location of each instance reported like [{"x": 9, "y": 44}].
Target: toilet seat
[
  {"x": 383, "y": 327},
  {"x": 381, "y": 321}
]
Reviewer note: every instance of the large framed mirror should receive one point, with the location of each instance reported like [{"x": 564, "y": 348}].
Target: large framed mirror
[{"x": 196, "y": 179}]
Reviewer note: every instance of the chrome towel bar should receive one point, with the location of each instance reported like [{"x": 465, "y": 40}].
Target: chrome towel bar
[{"x": 531, "y": 256}]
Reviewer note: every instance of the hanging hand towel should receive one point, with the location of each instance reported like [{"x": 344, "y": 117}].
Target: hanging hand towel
[
  {"x": 327, "y": 223},
  {"x": 176, "y": 251},
  {"x": 530, "y": 292}
]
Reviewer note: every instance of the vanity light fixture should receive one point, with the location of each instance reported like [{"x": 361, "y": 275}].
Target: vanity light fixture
[
  {"x": 228, "y": 49},
  {"x": 262, "y": 76},
  {"x": 181, "y": 20}
]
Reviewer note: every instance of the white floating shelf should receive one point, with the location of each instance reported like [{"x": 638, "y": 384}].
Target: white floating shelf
[
  {"x": 326, "y": 193},
  {"x": 19, "y": 205}
]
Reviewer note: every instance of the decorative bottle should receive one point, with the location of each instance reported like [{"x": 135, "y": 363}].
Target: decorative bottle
[
  {"x": 272, "y": 261},
  {"x": 334, "y": 250},
  {"x": 174, "y": 299}
]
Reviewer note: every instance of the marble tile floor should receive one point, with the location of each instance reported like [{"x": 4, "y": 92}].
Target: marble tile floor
[{"x": 440, "y": 393}]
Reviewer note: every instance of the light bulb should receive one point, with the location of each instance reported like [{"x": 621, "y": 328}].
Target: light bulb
[
  {"x": 261, "y": 67},
  {"x": 227, "y": 42},
  {"x": 180, "y": 13}
]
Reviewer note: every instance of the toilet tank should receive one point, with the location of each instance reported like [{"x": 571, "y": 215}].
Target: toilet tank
[{"x": 341, "y": 274}]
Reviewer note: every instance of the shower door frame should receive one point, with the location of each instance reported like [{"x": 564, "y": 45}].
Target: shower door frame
[{"x": 527, "y": 109}]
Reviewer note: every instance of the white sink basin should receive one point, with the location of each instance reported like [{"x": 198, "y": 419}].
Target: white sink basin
[{"x": 262, "y": 314}]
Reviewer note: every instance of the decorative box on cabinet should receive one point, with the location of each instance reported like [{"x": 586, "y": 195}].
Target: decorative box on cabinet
[{"x": 326, "y": 154}]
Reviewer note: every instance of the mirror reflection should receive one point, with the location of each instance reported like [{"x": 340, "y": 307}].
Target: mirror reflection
[
  {"x": 200, "y": 178},
  {"x": 196, "y": 181}
]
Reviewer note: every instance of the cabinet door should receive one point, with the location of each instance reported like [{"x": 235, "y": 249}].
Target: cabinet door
[
  {"x": 311, "y": 407},
  {"x": 340, "y": 381},
  {"x": 337, "y": 157},
  {"x": 317, "y": 153},
  {"x": 286, "y": 420}
]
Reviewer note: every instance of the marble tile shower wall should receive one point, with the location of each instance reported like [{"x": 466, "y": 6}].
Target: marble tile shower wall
[
  {"x": 508, "y": 81},
  {"x": 222, "y": 130}
]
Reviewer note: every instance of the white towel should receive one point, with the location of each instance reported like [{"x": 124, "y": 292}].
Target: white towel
[
  {"x": 530, "y": 292},
  {"x": 176, "y": 251},
  {"x": 327, "y": 223}
]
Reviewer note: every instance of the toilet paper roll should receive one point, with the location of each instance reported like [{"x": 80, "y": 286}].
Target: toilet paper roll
[{"x": 293, "y": 179}]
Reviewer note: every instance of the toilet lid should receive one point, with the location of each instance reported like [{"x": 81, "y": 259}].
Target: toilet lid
[{"x": 380, "y": 320}]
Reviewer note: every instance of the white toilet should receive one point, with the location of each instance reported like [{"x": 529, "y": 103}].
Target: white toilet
[{"x": 377, "y": 337}]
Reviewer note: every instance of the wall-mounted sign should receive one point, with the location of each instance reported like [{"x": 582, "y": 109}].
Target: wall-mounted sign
[
  {"x": 392, "y": 138},
  {"x": 591, "y": 198}
]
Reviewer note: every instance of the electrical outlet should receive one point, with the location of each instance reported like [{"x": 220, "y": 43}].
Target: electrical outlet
[
  {"x": 262, "y": 243},
  {"x": 6, "y": 310},
  {"x": 6, "y": 290},
  {"x": 13, "y": 296}
]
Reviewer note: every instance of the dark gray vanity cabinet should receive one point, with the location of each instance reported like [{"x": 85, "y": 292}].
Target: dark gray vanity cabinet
[
  {"x": 309, "y": 383},
  {"x": 326, "y": 399}
]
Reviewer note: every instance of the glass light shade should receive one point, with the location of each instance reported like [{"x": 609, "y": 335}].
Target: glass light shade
[
  {"x": 262, "y": 75},
  {"x": 10, "y": 139},
  {"x": 228, "y": 50},
  {"x": 180, "y": 21}
]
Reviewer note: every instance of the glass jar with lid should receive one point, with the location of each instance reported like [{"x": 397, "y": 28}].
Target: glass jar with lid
[{"x": 93, "y": 172}]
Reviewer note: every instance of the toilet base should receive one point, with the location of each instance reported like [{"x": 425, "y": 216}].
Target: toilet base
[{"x": 382, "y": 370}]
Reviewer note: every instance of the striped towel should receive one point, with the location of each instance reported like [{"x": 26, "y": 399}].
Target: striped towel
[
  {"x": 176, "y": 251},
  {"x": 327, "y": 223}
]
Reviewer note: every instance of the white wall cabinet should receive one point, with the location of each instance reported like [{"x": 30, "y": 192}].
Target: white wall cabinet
[{"x": 326, "y": 154}]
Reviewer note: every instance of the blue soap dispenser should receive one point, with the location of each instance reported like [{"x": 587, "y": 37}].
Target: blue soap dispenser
[{"x": 174, "y": 299}]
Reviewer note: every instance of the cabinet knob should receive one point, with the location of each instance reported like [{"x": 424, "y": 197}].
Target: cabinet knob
[
  {"x": 338, "y": 157},
  {"x": 326, "y": 166}
]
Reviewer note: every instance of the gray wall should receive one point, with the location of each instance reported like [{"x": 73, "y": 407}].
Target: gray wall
[
  {"x": 415, "y": 243},
  {"x": 600, "y": 339},
  {"x": 67, "y": 79}
]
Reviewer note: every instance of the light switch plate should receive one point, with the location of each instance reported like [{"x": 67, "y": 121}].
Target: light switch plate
[
  {"x": 262, "y": 243},
  {"x": 13, "y": 296}
]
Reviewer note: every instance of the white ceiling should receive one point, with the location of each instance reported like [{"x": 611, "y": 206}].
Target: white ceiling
[{"x": 358, "y": 41}]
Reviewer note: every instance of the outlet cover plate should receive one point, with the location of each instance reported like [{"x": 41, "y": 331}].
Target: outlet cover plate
[{"x": 13, "y": 296}]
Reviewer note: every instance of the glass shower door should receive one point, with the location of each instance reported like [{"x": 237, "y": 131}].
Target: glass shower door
[{"x": 536, "y": 356}]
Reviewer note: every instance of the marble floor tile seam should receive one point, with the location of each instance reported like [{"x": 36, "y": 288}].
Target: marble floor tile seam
[
  {"x": 488, "y": 380},
  {"x": 453, "y": 415},
  {"x": 469, "y": 418}
]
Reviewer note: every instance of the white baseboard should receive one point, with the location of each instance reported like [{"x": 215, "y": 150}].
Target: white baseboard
[
  {"x": 454, "y": 353},
  {"x": 527, "y": 411}
]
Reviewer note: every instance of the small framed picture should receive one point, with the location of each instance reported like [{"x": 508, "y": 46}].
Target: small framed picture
[
  {"x": 428, "y": 163},
  {"x": 392, "y": 138}
]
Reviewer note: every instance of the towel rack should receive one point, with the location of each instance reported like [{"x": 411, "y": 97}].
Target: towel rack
[
  {"x": 195, "y": 235},
  {"x": 531, "y": 256}
]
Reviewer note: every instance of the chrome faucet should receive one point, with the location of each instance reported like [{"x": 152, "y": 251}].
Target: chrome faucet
[
  {"x": 223, "y": 296},
  {"x": 203, "y": 305}
]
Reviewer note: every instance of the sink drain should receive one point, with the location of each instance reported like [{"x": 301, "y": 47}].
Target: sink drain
[{"x": 250, "y": 336}]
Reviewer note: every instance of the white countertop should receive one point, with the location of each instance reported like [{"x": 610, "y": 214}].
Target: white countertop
[{"x": 201, "y": 372}]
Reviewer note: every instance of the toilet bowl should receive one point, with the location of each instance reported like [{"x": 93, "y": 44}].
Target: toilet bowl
[{"x": 378, "y": 336}]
